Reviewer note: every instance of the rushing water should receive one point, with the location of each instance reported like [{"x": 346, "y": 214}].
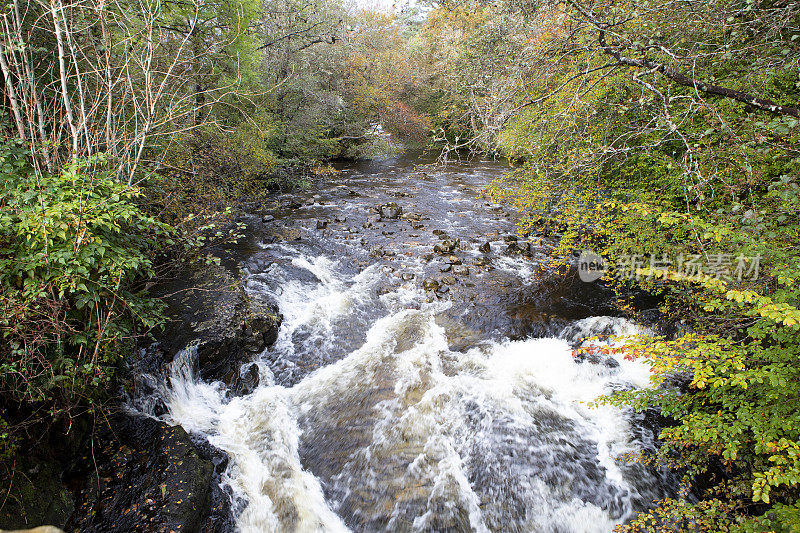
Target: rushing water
[{"x": 386, "y": 407}]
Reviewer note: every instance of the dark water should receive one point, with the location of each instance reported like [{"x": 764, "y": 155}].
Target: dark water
[{"x": 419, "y": 382}]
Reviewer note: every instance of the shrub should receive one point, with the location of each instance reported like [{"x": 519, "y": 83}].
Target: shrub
[{"x": 72, "y": 246}]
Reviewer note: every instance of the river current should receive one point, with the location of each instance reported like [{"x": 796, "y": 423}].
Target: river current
[{"x": 388, "y": 406}]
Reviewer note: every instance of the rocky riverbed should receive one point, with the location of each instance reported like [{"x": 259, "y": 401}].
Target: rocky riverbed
[{"x": 382, "y": 352}]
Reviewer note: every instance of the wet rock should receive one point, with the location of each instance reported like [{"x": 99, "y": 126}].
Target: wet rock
[
  {"x": 149, "y": 476},
  {"x": 485, "y": 248},
  {"x": 445, "y": 247},
  {"x": 267, "y": 218},
  {"x": 390, "y": 210},
  {"x": 227, "y": 325},
  {"x": 448, "y": 280},
  {"x": 387, "y": 233},
  {"x": 510, "y": 238},
  {"x": 291, "y": 204},
  {"x": 452, "y": 260},
  {"x": 322, "y": 224},
  {"x": 227, "y": 341},
  {"x": 443, "y": 289},
  {"x": 430, "y": 284},
  {"x": 439, "y": 232},
  {"x": 481, "y": 261},
  {"x": 353, "y": 194},
  {"x": 596, "y": 359},
  {"x": 461, "y": 270},
  {"x": 284, "y": 234},
  {"x": 340, "y": 219},
  {"x": 247, "y": 380},
  {"x": 411, "y": 216},
  {"x": 407, "y": 276},
  {"x": 446, "y": 268},
  {"x": 417, "y": 225}
]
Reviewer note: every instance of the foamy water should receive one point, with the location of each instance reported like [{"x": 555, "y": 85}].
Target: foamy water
[{"x": 392, "y": 430}]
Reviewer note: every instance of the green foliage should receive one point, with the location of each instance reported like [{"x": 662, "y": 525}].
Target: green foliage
[
  {"x": 72, "y": 246},
  {"x": 628, "y": 162}
]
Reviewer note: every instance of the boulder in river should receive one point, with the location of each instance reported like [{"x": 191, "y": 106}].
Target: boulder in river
[
  {"x": 430, "y": 284},
  {"x": 322, "y": 224},
  {"x": 446, "y": 246},
  {"x": 461, "y": 270},
  {"x": 390, "y": 210},
  {"x": 292, "y": 203},
  {"x": 228, "y": 326},
  {"x": 227, "y": 340},
  {"x": 485, "y": 248},
  {"x": 247, "y": 380},
  {"x": 267, "y": 218},
  {"x": 448, "y": 280}
]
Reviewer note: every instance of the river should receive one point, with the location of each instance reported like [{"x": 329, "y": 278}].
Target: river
[{"x": 386, "y": 406}]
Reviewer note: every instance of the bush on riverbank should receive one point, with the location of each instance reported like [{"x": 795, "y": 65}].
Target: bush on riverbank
[{"x": 72, "y": 246}]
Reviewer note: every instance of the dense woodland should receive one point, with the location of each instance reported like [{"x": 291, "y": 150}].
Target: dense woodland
[{"x": 643, "y": 129}]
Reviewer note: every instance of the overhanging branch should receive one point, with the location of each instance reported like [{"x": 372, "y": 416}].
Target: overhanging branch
[
  {"x": 763, "y": 104},
  {"x": 669, "y": 72}
]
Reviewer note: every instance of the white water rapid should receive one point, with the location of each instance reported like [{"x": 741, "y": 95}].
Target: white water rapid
[{"x": 366, "y": 420}]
